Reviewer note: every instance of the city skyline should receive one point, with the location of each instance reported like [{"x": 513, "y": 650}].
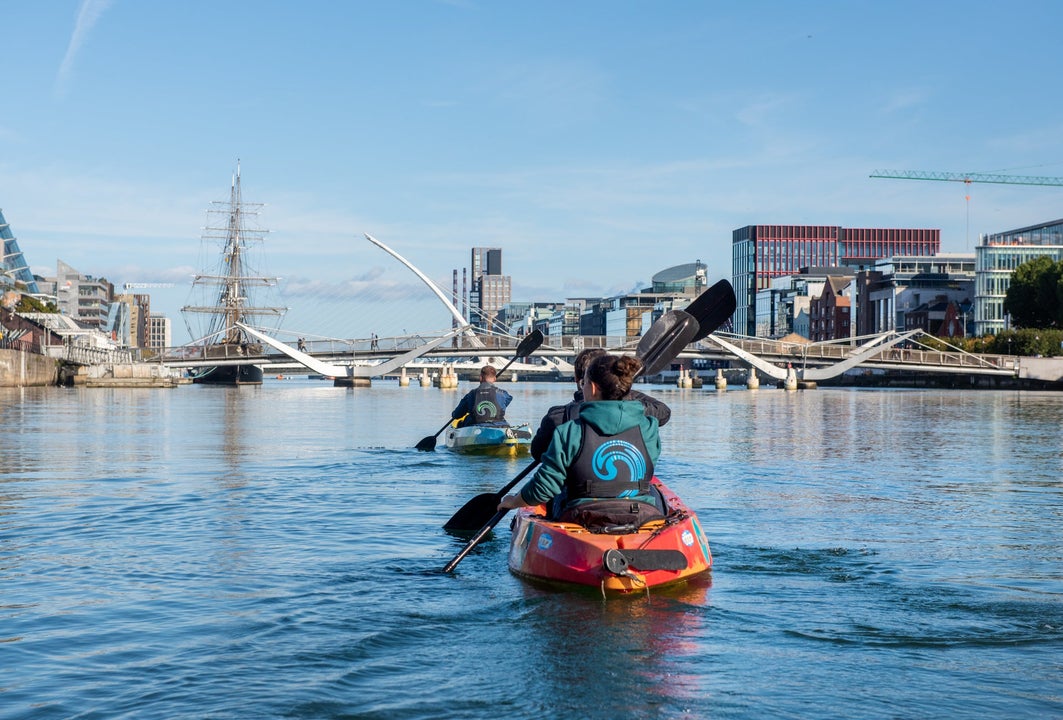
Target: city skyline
[{"x": 596, "y": 143}]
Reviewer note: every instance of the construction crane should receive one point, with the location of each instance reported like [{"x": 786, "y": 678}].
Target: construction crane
[
  {"x": 133, "y": 285},
  {"x": 967, "y": 178}
]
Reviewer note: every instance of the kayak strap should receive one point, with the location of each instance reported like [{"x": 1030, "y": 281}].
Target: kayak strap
[{"x": 618, "y": 561}]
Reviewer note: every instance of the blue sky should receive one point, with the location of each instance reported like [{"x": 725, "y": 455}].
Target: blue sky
[{"x": 596, "y": 142}]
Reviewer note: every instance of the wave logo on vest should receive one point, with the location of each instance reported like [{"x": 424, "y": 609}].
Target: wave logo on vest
[
  {"x": 612, "y": 454},
  {"x": 486, "y": 408}
]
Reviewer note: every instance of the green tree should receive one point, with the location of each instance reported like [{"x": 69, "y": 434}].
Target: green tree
[{"x": 1035, "y": 295}]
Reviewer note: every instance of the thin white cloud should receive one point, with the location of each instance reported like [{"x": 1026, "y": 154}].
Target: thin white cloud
[
  {"x": 905, "y": 100},
  {"x": 89, "y": 12}
]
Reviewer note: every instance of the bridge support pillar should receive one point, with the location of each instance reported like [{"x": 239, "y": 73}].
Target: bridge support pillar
[{"x": 352, "y": 382}]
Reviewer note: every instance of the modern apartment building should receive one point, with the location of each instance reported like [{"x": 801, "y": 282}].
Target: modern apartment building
[
  {"x": 761, "y": 253},
  {"x": 159, "y": 334},
  {"x": 996, "y": 257},
  {"x": 83, "y": 298},
  {"x": 895, "y": 287},
  {"x": 13, "y": 266}
]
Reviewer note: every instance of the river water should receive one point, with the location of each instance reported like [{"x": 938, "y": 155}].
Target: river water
[{"x": 274, "y": 552}]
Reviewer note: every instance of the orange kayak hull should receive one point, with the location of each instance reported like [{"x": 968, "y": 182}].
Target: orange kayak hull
[{"x": 660, "y": 553}]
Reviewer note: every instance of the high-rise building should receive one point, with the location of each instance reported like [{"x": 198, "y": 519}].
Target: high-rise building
[
  {"x": 996, "y": 257},
  {"x": 127, "y": 320},
  {"x": 761, "y": 253},
  {"x": 491, "y": 290}
]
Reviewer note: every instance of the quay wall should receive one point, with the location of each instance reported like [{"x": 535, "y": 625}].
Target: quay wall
[
  {"x": 24, "y": 369},
  {"x": 119, "y": 375}
]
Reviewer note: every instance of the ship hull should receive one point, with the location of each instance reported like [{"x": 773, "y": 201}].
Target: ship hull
[{"x": 229, "y": 375}]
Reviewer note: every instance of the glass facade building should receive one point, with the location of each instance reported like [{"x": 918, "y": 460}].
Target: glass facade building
[
  {"x": 996, "y": 258},
  {"x": 12, "y": 262},
  {"x": 762, "y": 253}
]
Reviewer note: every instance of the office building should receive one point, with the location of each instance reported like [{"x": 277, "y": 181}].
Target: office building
[
  {"x": 490, "y": 289},
  {"x": 761, "y": 253},
  {"x": 996, "y": 257}
]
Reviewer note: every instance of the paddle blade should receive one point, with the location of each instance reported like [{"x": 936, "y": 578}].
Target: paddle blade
[
  {"x": 665, "y": 339},
  {"x": 712, "y": 308},
  {"x": 529, "y": 344},
  {"x": 427, "y": 444},
  {"x": 474, "y": 514},
  {"x": 479, "y": 510}
]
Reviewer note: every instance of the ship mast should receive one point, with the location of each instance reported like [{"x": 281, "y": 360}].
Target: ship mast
[{"x": 234, "y": 279}]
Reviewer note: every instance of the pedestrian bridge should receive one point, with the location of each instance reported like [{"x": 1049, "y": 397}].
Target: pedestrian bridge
[
  {"x": 465, "y": 353},
  {"x": 819, "y": 361}
]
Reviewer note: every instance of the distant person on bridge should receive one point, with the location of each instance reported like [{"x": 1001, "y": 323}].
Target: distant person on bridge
[
  {"x": 563, "y": 413},
  {"x": 484, "y": 405}
]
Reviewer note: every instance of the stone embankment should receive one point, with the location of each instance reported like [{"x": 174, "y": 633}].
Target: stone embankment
[
  {"x": 24, "y": 369},
  {"x": 148, "y": 375}
]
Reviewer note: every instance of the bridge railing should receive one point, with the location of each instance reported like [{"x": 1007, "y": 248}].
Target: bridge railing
[{"x": 834, "y": 352}]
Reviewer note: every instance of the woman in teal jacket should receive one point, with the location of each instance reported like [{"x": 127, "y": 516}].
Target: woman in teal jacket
[{"x": 605, "y": 454}]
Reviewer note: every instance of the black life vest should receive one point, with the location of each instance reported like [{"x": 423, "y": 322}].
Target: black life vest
[
  {"x": 486, "y": 408},
  {"x": 609, "y": 466}
]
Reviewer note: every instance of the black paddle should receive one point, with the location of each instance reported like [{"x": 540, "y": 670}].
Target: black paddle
[
  {"x": 526, "y": 347},
  {"x": 657, "y": 348},
  {"x": 711, "y": 309}
]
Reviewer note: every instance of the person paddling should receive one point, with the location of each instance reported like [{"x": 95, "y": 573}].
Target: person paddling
[
  {"x": 485, "y": 404},
  {"x": 563, "y": 413},
  {"x": 597, "y": 469}
]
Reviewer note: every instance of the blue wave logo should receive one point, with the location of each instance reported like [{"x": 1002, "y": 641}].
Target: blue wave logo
[
  {"x": 609, "y": 456},
  {"x": 487, "y": 408}
]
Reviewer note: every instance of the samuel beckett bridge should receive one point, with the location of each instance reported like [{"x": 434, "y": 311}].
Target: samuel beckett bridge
[{"x": 464, "y": 352}]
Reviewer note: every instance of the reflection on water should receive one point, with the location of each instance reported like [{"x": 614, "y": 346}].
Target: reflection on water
[{"x": 576, "y": 636}]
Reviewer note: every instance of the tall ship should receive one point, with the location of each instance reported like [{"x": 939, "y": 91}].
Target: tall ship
[{"x": 228, "y": 291}]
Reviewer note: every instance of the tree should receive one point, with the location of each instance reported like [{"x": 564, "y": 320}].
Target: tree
[{"x": 1035, "y": 295}]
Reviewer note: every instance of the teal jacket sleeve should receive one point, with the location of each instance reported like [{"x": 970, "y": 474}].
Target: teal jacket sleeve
[{"x": 549, "y": 480}]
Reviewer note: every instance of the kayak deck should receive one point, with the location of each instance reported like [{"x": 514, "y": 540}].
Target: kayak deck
[
  {"x": 660, "y": 553},
  {"x": 507, "y": 440}
]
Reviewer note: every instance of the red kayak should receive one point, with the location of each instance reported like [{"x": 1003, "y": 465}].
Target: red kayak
[{"x": 661, "y": 552}]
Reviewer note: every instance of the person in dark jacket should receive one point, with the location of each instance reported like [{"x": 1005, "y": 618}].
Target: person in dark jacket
[
  {"x": 607, "y": 453},
  {"x": 563, "y": 413},
  {"x": 485, "y": 404}
]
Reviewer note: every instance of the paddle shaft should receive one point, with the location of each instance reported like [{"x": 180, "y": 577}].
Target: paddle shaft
[
  {"x": 477, "y": 507},
  {"x": 445, "y": 426},
  {"x": 520, "y": 476},
  {"x": 475, "y": 541}
]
